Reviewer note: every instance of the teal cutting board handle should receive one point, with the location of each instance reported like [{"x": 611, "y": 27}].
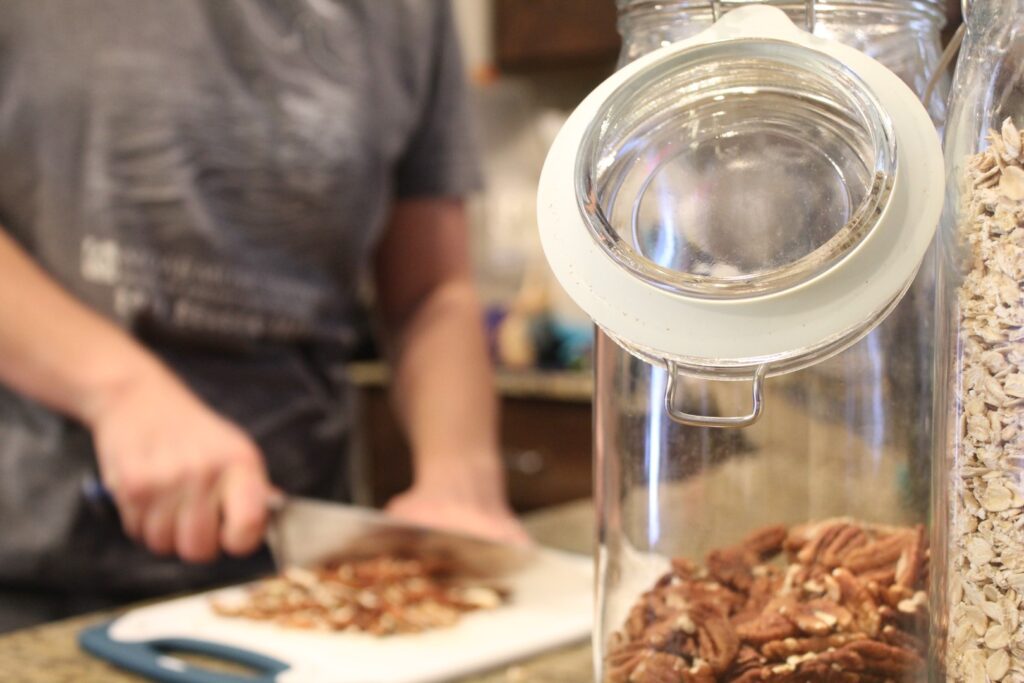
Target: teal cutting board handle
[{"x": 151, "y": 658}]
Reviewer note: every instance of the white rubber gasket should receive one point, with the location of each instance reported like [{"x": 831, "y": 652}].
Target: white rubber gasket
[{"x": 755, "y": 330}]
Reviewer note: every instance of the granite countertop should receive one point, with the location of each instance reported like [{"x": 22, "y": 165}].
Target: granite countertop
[
  {"x": 50, "y": 654},
  {"x": 552, "y": 385}
]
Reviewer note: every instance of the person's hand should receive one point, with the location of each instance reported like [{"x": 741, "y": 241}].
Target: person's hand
[
  {"x": 186, "y": 481},
  {"x": 453, "y": 510}
]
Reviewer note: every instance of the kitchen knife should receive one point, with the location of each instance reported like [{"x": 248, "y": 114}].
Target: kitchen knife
[{"x": 305, "y": 532}]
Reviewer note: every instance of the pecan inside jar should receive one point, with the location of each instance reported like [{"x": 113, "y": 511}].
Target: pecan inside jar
[{"x": 835, "y": 600}]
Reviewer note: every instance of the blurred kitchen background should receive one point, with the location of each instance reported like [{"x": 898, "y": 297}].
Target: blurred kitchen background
[{"x": 529, "y": 63}]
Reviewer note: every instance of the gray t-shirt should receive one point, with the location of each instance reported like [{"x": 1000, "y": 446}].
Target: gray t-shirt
[{"x": 213, "y": 175}]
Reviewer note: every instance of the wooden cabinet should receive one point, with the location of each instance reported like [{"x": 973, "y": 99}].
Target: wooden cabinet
[
  {"x": 531, "y": 34},
  {"x": 546, "y": 439}
]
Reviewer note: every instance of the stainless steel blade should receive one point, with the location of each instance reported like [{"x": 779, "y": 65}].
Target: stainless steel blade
[{"x": 305, "y": 533}]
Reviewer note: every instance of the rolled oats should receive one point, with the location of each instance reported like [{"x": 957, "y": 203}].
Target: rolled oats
[{"x": 986, "y": 556}]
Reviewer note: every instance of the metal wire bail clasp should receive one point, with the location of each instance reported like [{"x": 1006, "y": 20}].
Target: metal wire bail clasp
[
  {"x": 720, "y": 422},
  {"x": 811, "y": 14},
  {"x": 719, "y": 7}
]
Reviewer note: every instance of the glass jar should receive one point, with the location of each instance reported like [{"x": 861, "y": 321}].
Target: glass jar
[
  {"x": 904, "y": 35},
  {"x": 979, "y": 490},
  {"x": 739, "y": 212}
]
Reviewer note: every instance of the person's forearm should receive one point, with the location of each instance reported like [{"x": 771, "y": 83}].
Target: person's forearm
[
  {"x": 443, "y": 388},
  {"x": 54, "y": 348}
]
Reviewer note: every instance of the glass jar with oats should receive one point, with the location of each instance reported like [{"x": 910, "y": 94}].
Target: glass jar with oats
[
  {"x": 979, "y": 421},
  {"x": 742, "y": 212}
]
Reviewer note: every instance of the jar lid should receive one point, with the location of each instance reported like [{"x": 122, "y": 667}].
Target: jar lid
[{"x": 743, "y": 203}]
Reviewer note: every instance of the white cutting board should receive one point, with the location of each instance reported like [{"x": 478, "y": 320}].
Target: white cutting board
[{"x": 551, "y": 605}]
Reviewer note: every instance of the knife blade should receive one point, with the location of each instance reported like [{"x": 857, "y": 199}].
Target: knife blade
[{"x": 305, "y": 532}]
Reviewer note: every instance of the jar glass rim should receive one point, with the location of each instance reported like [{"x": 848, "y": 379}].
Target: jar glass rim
[
  {"x": 846, "y": 86},
  {"x": 934, "y": 10}
]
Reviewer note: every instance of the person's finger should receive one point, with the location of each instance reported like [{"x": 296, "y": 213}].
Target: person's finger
[
  {"x": 159, "y": 522},
  {"x": 518, "y": 536},
  {"x": 244, "y": 493},
  {"x": 197, "y": 531},
  {"x": 133, "y": 493},
  {"x": 131, "y": 519}
]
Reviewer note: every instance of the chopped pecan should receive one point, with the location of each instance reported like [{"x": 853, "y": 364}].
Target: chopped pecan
[{"x": 381, "y": 595}]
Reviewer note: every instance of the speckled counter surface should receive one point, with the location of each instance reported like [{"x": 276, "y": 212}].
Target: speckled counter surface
[{"x": 50, "y": 654}]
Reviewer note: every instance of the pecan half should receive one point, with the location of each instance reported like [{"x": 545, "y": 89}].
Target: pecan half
[
  {"x": 877, "y": 554},
  {"x": 640, "y": 617},
  {"x": 766, "y": 543},
  {"x": 717, "y": 641},
  {"x": 622, "y": 659},
  {"x": 781, "y": 650},
  {"x": 732, "y": 567},
  {"x": 658, "y": 667},
  {"x": 847, "y": 607},
  {"x": 674, "y": 635},
  {"x": 900, "y": 638},
  {"x": 847, "y": 539},
  {"x": 764, "y": 629},
  {"x": 858, "y": 600},
  {"x": 883, "y": 659},
  {"x": 909, "y": 565},
  {"x": 823, "y": 538},
  {"x": 684, "y": 568}
]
